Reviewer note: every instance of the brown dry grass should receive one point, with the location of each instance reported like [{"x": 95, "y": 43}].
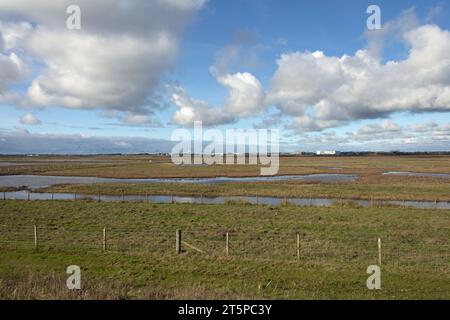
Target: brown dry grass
[
  {"x": 53, "y": 287},
  {"x": 161, "y": 167}
]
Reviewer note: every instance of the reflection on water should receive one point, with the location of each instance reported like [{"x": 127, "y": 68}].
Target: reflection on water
[
  {"x": 34, "y": 182},
  {"x": 315, "y": 202}
]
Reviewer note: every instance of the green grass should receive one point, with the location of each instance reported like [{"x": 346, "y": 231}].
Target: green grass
[{"x": 337, "y": 246}]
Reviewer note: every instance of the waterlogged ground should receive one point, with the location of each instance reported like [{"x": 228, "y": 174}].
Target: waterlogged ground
[
  {"x": 414, "y": 178},
  {"x": 337, "y": 245},
  {"x": 369, "y": 188}
]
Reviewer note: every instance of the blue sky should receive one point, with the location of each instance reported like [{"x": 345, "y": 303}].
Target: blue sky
[{"x": 235, "y": 37}]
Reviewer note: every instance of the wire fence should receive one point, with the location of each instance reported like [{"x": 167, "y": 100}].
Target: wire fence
[{"x": 237, "y": 243}]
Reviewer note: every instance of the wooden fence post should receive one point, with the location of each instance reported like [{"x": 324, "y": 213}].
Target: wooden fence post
[
  {"x": 178, "y": 241},
  {"x": 123, "y": 196},
  {"x": 227, "y": 244},
  {"x": 99, "y": 197},
  {"x": 75, "y": 196},
  {"x": 4, "y": 195},
  {"x": 146, "y": 197},
  {"x": 298, "y": 246},
  {"x": 28, "y": 196},
  {"x": 104, "y": 239},
  {"x": 379, "y": 251},
  {"x": 36, "y": 237},
  {"x": 53, "y": 196}
]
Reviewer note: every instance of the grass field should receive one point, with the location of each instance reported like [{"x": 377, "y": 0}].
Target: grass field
[{"x": 337, "y": 246}]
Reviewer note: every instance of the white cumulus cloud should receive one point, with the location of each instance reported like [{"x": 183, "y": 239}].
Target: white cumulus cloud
[
  {"x": 246, "y": 95},
  {"x": 191, "y": 110},
  {"x": 116, "y": 62},
  {"x": 12, "y": 70},
  {"x": 246, "y": 98},
  {"x": 322, "y": 91},
  {"x": 29, "y": 119}
]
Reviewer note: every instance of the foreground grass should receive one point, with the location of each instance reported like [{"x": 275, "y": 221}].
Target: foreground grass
[{"x": 337, "y": 245}]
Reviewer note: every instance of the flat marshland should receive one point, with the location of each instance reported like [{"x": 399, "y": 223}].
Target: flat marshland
[
  {"x": 336, "y": 244},
  {"x": 162, "y": 167},
  {"x": 370, "y": 183}
]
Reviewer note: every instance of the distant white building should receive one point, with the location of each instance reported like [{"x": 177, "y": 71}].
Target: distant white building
[{"x": 326, "y": 152}]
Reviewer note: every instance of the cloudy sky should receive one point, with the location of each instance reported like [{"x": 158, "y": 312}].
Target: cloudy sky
[{"x": 139, "y": 69}]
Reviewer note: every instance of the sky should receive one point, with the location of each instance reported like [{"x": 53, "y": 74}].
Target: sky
[{"x": 137, "y": 70}]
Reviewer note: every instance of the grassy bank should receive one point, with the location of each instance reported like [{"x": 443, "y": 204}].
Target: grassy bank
[{"x": 337, "y": 246}]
